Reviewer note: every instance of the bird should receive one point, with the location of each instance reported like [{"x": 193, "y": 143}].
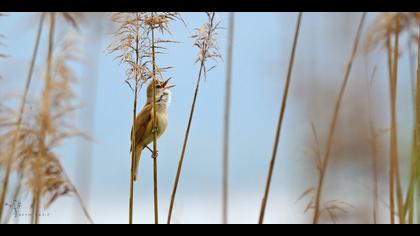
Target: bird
[{"x": 143, "y": 125}]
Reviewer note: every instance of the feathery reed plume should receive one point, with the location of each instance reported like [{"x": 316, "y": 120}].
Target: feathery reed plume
[
  {"x": 46, "y": 129},
  {"x": 41, "y": 167},
  {"x": 131, "y": 47},
  {"x": 34, "y": 145},
  {"x": 280, "y": 121},
  {"x": 54, "y": 182},
  {"x": 16, "y": 134},
  {"x": 226, "y": 127},
  {"x": 44, "y": 123},
  {"x": 205, "y": 41},
  {"x": 327, "y": 156}
]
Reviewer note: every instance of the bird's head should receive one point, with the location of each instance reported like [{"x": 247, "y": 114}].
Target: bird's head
[{"x": 163, "y": 92}]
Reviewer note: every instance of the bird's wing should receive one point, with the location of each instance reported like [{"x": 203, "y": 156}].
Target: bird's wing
[{"x": 143, "y": 121}]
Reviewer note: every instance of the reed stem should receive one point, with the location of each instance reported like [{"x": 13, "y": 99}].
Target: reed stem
[
  {"x": 20, "y": 117},
  {"x": 187, "y": 131},
  {"x": 417, "y": 192},
  {"x": 184, "y": 146},
  {"x": 327, "y": 157},
  {"x": 375, "y": 150},
  {"x": 280, "y": 121},
  {"x": 133, "y": 138},
  {"x": 226, "y": 129},
  {"x": 391, "y": 168},
  {"x": 155, "y": 151},
  {"x": 394, "y": 129}
]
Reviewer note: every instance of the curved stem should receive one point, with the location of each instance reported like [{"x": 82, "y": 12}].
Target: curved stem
[
  {"x": 325, "y": 161},
  {"x": 280, "y": 121},
  {"x": 187, "y": 131},
  {"x": 184, "y": 146}
]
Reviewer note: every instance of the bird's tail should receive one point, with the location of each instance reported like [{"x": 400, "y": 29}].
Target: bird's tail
[{"x": 137, "y": 161}]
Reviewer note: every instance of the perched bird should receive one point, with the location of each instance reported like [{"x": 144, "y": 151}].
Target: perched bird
[{"x": 144, "y": 122}]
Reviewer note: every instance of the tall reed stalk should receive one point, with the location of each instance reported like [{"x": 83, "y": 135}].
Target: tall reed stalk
[
  {"x": 412, "y": 201},
  {"x": 394, "y": 129},
  {"x": 391, "y": 166},
  {"x": 374, "y": 145},
  {"x": 130, "y": 44},
  {"x": 226, "y": 128},
  {"x": 133, "y": 135},
  {"x": 36, "y": 201},
  {"x": 328, "y": 149},
  {"x": 154, "y": 131},
  {"x": 205, "y": 42},
  {"x": 16, "y": 135},
  {"x": 280, "y": 121},
  {"x": 417, "y": 193},
  {"x": 375, "y": 171},
  {"x": 395, "y": 189}
]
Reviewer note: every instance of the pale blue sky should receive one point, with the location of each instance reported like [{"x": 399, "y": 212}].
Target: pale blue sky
[{"x": 261, "y": 51}]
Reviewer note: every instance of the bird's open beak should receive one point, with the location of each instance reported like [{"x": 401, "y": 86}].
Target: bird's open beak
[{"x": 165, "y": 84}]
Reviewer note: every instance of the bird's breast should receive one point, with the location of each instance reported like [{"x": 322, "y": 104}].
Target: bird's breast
[{"x": 162, "y": 122}]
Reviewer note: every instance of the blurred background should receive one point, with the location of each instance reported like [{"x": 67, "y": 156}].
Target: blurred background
[{"x": 100, "y": 167}]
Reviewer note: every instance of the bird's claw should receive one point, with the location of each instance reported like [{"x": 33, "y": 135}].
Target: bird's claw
[{"x": 154, "y": 155}]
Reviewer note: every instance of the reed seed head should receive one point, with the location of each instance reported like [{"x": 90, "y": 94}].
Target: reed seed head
[{"x": 205, "y": 41}]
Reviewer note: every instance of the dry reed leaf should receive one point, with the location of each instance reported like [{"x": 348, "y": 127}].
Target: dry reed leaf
[
  {"x": 309, "y": 206},
  {"x": 335, "y": 208},
  {"x": 316, "y": 148},
  {"x": 306, "y": 193}
]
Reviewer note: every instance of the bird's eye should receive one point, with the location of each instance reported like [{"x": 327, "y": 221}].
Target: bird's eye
[{"x": 158, "y": 86}]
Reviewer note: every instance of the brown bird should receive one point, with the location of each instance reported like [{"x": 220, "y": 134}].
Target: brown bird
[{"x": 144, "y": 121}]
